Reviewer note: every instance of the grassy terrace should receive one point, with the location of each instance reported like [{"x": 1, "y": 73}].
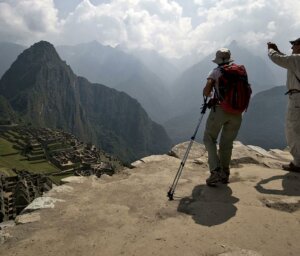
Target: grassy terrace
[
  {"x": 58, "y": 146},
  {"x": 57, "y": 178},
  {"x": 11, "y": 158},
  {"x": 12, "y": 143}
]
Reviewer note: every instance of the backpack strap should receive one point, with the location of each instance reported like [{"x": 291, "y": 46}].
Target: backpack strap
[{"x": 217, "y": 95}]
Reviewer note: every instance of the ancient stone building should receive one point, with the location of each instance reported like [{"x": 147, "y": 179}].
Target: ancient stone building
[{"x": 18, "y": 191}]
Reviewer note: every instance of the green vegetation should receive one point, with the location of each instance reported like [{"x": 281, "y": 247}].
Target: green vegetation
[
  {"x": 59, "y": 146},
  {"x": 11, "y": 158},
  {"x": 6, "y": 171},
  {"x": 57, "y": 178},
  {"x": 15, "y": 134},
  {"x": 6, "y": 148}
]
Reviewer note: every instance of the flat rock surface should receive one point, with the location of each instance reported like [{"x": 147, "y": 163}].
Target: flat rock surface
[{"x": 130, "y": 214}]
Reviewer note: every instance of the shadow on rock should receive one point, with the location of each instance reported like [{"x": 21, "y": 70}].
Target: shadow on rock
[
  {"x": 239, "y": 162},
  {"x": 290, "y": 185},
  {"x": 209, "y": 206}
]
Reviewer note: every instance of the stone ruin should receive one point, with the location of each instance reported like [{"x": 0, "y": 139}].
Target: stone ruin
[
  {"x": 62, "y": 149},
  {"x": 16, "y": 192}
]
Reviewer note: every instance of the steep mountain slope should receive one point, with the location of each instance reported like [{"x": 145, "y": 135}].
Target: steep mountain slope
[
  {"x": 119, "y": 70},
  {"x": 164, "y": 68},
  {"x": 8, "y": 53},
  {"x": 44, "y": 91},
  {"x": 264, "y": 121},
  {"x": 182, "y": 127},
  {"x": 7, "y": 115}
]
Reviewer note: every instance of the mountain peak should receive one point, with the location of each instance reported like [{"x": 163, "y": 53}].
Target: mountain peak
[
  {"x": 233, "y": 43},
  {"x": 43, "y": 43},
  {"x": 24, "y": 72},
  {"x": 42, "y": 51}
]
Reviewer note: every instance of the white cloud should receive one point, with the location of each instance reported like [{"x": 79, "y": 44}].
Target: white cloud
[
  {"x": 27, "y": 20},
  {"x": 155, "y": 24},
  {"x": 251, "y": 22},
  {"x": 152, "y": 24}
]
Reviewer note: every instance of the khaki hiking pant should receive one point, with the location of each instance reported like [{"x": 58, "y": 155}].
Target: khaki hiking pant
[
  {"x": 292, "y": 127},
  {"x": 229, "y": 124}
]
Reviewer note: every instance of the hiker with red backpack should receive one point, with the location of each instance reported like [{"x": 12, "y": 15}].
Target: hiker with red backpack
[
  {"x": 227, "y": 86},
  {"x": 292, "y": 127}
]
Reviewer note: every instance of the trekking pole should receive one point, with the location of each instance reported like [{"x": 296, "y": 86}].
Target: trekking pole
[{"x": 178, "y": 174}]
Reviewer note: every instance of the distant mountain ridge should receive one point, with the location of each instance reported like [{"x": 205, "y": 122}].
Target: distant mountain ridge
[
  {"x": 119, "y": 70},
  {"x": 164, "y": 68},
  {"x": 7, "y": 114},
  {"x": 264, "y": 122},
  {"x": 44, "y": 91}
]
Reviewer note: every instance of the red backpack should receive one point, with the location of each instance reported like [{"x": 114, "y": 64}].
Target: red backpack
[{"x": 234, "y": 89}]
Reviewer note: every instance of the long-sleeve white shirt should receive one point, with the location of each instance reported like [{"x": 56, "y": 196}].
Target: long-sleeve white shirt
[{"x": 289, "y": 62}]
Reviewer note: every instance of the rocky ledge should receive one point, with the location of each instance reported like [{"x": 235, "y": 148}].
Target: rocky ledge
[{"x": 257, "y": 213}]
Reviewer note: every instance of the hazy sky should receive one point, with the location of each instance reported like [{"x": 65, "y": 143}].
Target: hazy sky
[{"x": 172, "y": 27}]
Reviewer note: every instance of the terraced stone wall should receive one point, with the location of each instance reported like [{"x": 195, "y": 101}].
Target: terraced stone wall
[{"x": 18, "y": 191}]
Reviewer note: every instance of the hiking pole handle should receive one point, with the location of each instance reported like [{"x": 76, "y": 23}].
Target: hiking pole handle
[
  {"x": 203, "y": 110},
  {"x": 205, "y": 105}
]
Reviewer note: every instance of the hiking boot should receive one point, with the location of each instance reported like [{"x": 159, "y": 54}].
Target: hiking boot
[
  {"x": 225, "y": 172},
  {"x": 291, "y": 167},
  {"x": 214, "y": 177}
]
